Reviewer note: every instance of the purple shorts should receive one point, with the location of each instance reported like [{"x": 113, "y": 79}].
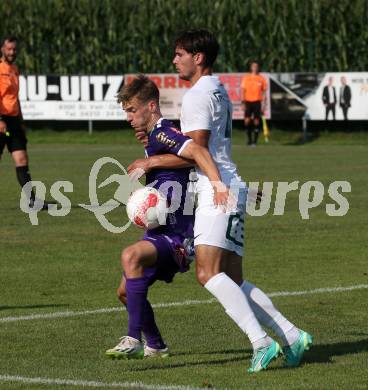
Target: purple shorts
[{"x": 170, "y": 257}]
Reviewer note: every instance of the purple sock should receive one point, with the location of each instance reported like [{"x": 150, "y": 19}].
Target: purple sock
[
  {"x": 150, "y": 329},
  {"x": 136, "y": 290}
]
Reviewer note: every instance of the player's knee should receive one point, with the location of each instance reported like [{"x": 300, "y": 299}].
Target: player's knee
[
  {"x": 203, "y": 275},
  {"x": 21, "y": 161},
  {"x": 129, "y": 258}
]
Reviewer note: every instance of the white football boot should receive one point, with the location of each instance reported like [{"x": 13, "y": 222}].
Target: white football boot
[
  {"x": 128, "y": 348},
  {"x": 153, "y": 352}
]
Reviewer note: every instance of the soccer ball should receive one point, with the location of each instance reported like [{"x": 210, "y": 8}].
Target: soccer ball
[{"x": 147, "y": 208}]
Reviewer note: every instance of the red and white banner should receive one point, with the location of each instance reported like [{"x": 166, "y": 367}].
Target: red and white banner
[
  {"x": 290, "y": 96},
  {"x": 93, "y": 97},
  {"x": 172, "y": 90}
]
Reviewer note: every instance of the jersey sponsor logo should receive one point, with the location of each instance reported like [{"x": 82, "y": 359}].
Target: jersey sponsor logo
[{"x": 164, "y": 139}]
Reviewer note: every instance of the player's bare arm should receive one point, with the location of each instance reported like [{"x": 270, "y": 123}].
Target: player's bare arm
[
  {"x": 264, "y": 102},
  {"x": 243, "y": 94},
  {"x": 204, "y": 161},
  {"x": 161, "y": 161},
  {"x": 201, "y": 138},
  {"x": 20, "y": 110}
]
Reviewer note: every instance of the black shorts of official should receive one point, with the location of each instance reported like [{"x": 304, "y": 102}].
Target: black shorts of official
[
  {"x": 253, "y": 109},
  {"x": 16, "y": 140}
]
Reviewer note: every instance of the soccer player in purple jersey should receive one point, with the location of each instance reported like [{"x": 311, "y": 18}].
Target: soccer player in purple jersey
[{"x": 160, "y": 254}]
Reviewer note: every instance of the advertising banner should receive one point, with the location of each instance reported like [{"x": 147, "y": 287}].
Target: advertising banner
[
  {"x": 290, "y": 96},
  {"x": 70, "y": 97},
  {"x": 172, "y": 90},
  {"x": 94, "y": 97},
  {"x": 320, "y": 96}
]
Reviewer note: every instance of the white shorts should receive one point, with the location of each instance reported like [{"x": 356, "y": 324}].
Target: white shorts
[{"x": 214, "y": 227}]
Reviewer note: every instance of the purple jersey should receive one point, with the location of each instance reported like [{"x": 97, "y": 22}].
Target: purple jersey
[{"x": 163, "y": 139}]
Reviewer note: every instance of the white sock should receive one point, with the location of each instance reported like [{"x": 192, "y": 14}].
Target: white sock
[
  {"x": 236, "y": 305},
  {"x": 268, "y": 315}
]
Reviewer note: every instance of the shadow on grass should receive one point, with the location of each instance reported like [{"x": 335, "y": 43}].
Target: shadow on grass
[
  {"x": 221, "y": 352},
  {"x": 206, "y": 362},
  {"x": 303, "y": 140},
  {"x": 32, "y": 306},
  {"x": 323, "y": 353}
]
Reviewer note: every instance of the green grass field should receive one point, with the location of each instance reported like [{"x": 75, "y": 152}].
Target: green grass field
[{"x": 71, "y": 264}]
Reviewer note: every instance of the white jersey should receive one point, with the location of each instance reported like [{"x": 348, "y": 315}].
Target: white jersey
[{"x": 206, "y": 106}]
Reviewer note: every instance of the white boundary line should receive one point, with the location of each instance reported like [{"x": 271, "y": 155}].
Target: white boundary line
[
  {"x": 65, "y": 314},
  {"x": 85, "y": 383},
  {"x": 61, "y": 314}
]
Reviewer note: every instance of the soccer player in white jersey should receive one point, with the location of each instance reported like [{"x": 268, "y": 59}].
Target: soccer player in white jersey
[
  {"x": 206, "y": 116},
  {"x": 218, "y": 237}
]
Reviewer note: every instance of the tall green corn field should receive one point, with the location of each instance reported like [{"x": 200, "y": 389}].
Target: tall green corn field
[{"x": 119, "y": 36}]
